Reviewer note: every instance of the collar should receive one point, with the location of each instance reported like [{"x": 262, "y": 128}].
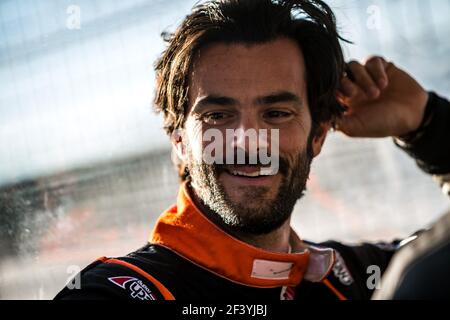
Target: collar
[{"x": 184, "y": 229}]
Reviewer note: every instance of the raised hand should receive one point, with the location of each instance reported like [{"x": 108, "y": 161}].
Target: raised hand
[{"x": 382, "y": 100}]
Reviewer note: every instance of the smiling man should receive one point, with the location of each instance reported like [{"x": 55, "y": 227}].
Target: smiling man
[
  {"x": 274, "y": 68},
  {"x": 230, "y": 90}
]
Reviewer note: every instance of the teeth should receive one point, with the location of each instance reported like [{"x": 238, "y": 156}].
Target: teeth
[
  {"x": 262, "y": 172},
  {"x": 246, "y": 174},
  {"x": 267, "y": 172}
]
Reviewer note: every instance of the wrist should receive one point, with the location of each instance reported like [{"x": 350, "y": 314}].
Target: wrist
[{"x": 427, "y": 117}]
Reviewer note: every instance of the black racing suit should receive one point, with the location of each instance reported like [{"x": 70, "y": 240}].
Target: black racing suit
[{"x": 158, "y": 271}]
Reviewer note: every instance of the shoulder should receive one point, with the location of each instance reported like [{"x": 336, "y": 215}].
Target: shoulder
[
  {"x": 137, "y": 276},
  {"x": 362, "y": 255},
  {"x": 358, "y": 268}
]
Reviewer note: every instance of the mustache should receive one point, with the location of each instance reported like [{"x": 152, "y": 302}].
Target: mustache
[{"x": 283, "y": 165}]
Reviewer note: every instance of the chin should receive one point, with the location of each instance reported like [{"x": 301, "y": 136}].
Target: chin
[{"x": 251, "y": 197}]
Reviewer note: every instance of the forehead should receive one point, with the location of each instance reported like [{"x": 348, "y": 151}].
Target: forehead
[{"x": 243, "y": 71}]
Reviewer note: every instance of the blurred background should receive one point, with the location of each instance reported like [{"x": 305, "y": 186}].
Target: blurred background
[{"x": 85, "y": 166}]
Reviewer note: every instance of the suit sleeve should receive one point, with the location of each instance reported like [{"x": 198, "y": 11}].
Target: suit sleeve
[
  {"x": 101, "y": 281},
  {"x": 358, "y": 266},
  {"x": 430, "y": 145}
]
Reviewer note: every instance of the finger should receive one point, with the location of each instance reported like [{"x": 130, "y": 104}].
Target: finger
[
  {"x": 376, "y": 66},
  {"x": 347, "y": 88},
  {"x": 363, "y": 79}
]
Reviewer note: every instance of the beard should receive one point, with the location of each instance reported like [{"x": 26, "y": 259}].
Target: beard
[{"x": 260, "y": 213}]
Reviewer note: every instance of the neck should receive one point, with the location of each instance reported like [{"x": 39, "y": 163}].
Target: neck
[{"x": 274, "y": 241}]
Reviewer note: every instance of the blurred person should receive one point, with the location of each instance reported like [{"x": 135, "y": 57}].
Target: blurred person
[
  {"x": 420, "y": 270},
  {"x": 275, "y": 65}
]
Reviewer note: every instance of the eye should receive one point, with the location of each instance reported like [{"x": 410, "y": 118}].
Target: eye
[
  {"x": 277, "y": 115},
  {"x": 216, "y": 117}
]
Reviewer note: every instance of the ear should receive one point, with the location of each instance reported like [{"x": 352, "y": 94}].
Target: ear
[
  {"x": 320, "y": 137},
  {"x": 176, "y": 138}
]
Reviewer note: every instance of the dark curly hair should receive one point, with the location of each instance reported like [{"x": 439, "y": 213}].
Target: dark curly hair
[{"x": 310, "y": 23}]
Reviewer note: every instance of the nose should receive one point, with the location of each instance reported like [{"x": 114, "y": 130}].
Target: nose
[
  {"x": 246, "y": 131},
  {"x": 250, "y": 135}
]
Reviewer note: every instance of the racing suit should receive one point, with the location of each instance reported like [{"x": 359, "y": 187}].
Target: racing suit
[{"x": 190, "y": 258}]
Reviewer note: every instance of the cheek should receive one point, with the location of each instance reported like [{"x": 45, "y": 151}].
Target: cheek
[
  {"x": 193, "y": 136},
  {"x": 293, "y": 141},
  {"x": 206, "y": 145}
]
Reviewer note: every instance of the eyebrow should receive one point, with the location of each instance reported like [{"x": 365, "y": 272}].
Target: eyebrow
[
  {"x": 278, "y": 97},
  {"x": 215, "y": 100}
]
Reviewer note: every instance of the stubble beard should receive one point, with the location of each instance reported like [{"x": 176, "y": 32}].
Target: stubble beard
[{"x": 258, "y": 214}]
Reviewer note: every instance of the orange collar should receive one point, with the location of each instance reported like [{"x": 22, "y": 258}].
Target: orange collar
[{"x": 185, "y": 230}]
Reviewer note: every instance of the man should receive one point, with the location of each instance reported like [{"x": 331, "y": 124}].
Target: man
[{"x": 275, "y": 68}]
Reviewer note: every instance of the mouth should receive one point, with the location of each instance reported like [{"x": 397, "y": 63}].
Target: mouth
[
  {"x": 250, "y": 175},
  {"x": 262, "y": 172}
]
